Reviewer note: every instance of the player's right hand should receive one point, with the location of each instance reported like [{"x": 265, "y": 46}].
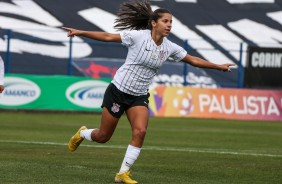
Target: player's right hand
[{"x": 72, "y": 32}]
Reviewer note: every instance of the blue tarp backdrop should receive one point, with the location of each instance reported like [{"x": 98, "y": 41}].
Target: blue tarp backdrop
[{"x": 217, "y": 30}]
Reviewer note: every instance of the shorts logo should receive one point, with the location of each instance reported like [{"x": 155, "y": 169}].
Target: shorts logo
[{"x": 115, "y": 107}]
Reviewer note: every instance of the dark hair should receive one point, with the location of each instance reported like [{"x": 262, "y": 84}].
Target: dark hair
[{"x": 137, "y": 15}]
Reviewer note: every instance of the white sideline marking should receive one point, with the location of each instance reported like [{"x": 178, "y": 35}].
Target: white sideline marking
[{"x": 153, "y": 148}]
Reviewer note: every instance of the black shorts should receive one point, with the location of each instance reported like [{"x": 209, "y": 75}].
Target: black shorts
[{"x": 117, "y": 101}]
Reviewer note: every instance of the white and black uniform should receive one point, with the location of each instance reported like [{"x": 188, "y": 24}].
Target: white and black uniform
[
  {"x": 143, "y": 60},
  {"x": 1, "y": 72}
]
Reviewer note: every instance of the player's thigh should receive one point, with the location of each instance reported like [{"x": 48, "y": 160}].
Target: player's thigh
[
  {"x": 108, "y": 123},
  {"x": 138, "y": 117}
]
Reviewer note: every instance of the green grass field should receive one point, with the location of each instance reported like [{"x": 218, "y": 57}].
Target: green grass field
[{"x": 176, "y": 151}]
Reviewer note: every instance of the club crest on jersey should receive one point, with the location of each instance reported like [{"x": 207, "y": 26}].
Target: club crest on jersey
[
  {"x": 163, "y": 55},
  {"x": 115, "y": 107}
]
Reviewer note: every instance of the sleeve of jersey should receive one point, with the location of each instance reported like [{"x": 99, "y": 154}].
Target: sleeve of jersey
[
  {"x": 1, "y": 71},
  {"x": 128, "y": 38},
  {"x": 178, "y": 53}
]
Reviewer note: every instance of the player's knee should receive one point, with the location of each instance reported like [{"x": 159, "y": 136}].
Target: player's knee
[{"x": 140, "y": 132}]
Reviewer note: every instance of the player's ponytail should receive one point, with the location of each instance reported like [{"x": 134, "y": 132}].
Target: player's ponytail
[{"x": 137, "y": 15}]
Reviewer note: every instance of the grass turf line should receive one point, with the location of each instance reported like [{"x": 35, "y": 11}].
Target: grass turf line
[{"x": 166, "y": 158}]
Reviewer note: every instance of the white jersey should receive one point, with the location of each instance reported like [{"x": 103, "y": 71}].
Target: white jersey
[
  {"x": 143, "y": 60},
  {"x": 1, "y": 71}
]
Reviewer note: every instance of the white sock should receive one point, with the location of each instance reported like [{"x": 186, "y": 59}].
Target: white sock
[
  {"x": 131, "y": 155},
  {"x": 86, "y": 134}
]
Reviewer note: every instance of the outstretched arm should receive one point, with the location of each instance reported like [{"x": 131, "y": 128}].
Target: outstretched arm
[
  {"x": 95, "y": 35},
  {"x": 198, "y": 62}
]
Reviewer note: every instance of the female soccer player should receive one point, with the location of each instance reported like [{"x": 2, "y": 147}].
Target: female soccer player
[
  {"x": 1, "y": 75},
  {"x": 145, "y": 33}
]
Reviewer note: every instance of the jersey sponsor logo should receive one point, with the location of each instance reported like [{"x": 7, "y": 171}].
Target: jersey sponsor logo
[
  {"x": 163, "y": 55},
  {"x": 19, "y": 91},
  {"x": 88, "y": 94}
]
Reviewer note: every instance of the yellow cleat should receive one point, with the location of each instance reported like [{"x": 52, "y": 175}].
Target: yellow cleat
[
  {"x": 76, "y": 140},
  {"x": 124, "y": 178}
]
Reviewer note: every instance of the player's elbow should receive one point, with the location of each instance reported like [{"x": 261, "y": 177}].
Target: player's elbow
[{"x": 112, "y": 38}]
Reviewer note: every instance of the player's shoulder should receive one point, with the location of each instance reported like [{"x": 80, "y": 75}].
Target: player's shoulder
[
  {"x": 136, "y": 34},
  {"x": 133, "y": 31},
  {"x": 141, "y": 33}
]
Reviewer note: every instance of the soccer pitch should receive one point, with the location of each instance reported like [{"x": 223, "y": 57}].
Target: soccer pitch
[{"x": 176, "y": 150}]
